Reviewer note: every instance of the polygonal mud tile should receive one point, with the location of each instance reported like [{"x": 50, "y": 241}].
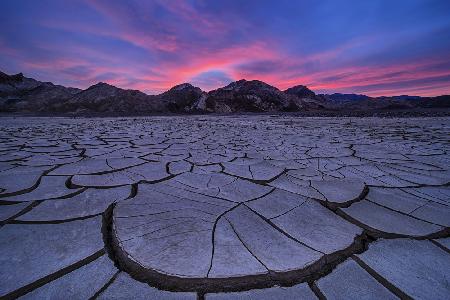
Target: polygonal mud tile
[
  {"x": 220, "y": 186},
  {"x": 97, "y": 165},
  {"x": 46, "y": 160},
  {"x": 31, "y": 252},
  {"x": 275, "y": 250},
  {"x": 178, "y": 167},
  {"x": 339, "y": 191},
  {"x": 49, "y": 187},
  {"x": 203, "y": 181},
  {"x": 418, "y": 268},
  {"x": 388, "y": 221},
  {"x": 417, "y": 178},
  {"x": 261, "y": 170},
  {"x": 297, "y": 186},
  {"x": 242, "y": 190},
  {"x": 318, "y": 227},
  {"x": 276, "y": 203},
  {"x": 300, "y": 291},
  {"x": 396, "y": 199},
  {"x": 439, "y": 194},
  {"x": 10, "y": 210},
  {"x": 231, "y": 258},
  {"x": 124, "y": 287},
  {"x": 208, "y": 169},
  {"x": 83, "y": 283},
  {"x": 85, "y": 166},
  {"x": 203, "y": 158},
  {"x": 350, "y": 281},
  {"x": 29, "y": 177},
  {"x": 89, "y": 202},
  {"x": 151, "y": 171},
  {"x": 433, "y": 212},
  {"x": 310, "y": 173},
  {"x": 181, "y": 249},
  {"x": 172, "y": 190},
  {"x": 265, "y": 171},
  {"x": 166, "y": 232},
  {"x": 329, "y": 151}
]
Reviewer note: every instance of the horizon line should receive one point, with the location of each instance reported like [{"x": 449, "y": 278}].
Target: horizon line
[{"x": 207, "y": 91}]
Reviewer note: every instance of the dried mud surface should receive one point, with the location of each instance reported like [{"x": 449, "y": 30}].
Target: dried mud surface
[{"x": 256, "y": 207}]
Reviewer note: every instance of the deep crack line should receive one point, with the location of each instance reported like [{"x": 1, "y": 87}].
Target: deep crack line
[
  {"x": 246, "y": 246},
  {"x": 289, "y": 210},
  {"x": 443, "y": 233},
  {"x": 392, "y": 288},
  {"x": 25, "y": 210},
  {"x": 403, "y": 213},
  {"x": 214, "y": 233},
  {"x": 268, "y": 221},
  {"x": 103, "y": 288},
  {"x": 53, "y": 276}
]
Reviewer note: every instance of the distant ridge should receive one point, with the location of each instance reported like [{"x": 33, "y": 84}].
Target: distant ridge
[{"x": 20, "y": 94}]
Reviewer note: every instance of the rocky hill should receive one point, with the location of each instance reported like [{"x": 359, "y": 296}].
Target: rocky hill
[
  {"x": 103, "y": 97},
  {"x": 251, "y": 96},
  {"x": 357, "y": 102},
  {"x": 300, "y": 91},
  {"x": 19, "y": 93},
  {"x": 26, "y": 95},
  {"x": 183, "y": 98}
]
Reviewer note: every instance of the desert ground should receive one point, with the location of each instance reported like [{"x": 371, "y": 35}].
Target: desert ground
[{"x": 225, "y": 207}]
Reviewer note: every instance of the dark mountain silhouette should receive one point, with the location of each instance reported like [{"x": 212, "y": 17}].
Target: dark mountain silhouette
[
  {"x": 338, "y": 97},
  {"x": 19, "y": 93},
  {"x": 103, "y": 97},
  {"x": 183, "y": 98},
  {"x": 251, "y": 96},
  {"x": 300, "y": 91},
  {"x": 26, "y": 95}
]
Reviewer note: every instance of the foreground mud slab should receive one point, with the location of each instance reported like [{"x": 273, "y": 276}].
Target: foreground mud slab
[{"x": 254, "y": 207}]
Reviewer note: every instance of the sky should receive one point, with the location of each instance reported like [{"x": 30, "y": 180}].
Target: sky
[{"x": 373, "y": 47}]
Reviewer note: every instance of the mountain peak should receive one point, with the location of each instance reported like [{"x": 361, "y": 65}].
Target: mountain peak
[
  {"x": 248, "y": 84},
  {"x": 300, "y": 91},
  {"x": 11, "y": 78},
  {"x": 101, "y": 84},
  {"x": 182, "y": 86}
]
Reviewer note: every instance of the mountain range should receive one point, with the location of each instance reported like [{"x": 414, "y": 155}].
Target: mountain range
[{"x": 19, "y": 94}]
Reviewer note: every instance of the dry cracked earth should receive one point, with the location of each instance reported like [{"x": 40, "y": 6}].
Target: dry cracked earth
[{"x": 244, "y": 207}]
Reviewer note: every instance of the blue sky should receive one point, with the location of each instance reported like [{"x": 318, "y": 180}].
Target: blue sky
[{"x": 371, "y": 47}]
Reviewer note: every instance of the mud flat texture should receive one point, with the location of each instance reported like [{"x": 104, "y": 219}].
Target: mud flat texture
[{"x": 225, "y": 207}]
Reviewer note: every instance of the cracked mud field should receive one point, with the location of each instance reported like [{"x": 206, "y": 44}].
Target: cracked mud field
[{"x": 244, "y": 207}]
